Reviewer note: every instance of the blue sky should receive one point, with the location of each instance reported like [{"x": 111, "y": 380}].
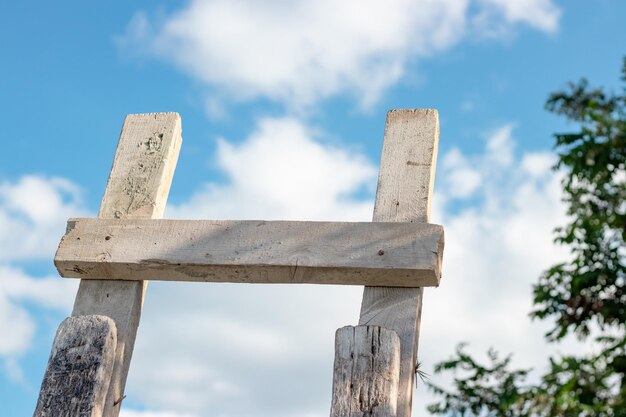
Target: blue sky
[{"x": 283, "y": 107}]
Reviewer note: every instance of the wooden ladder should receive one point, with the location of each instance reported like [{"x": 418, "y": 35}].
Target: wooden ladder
[{"x": 115, "y": 254}]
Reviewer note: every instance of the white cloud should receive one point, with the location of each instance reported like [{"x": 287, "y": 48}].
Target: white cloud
[
  {"x": 500, "y": 146},
  {"x": 14, "y": 371},
  {"x": 49, "y": 292},
  {"x": 461, "y": 180},
  {"x": 33, "y": 213},
  {"x": 282, "y": 172},
  {"x": 16, "y": 322},
  {"x": 300, "y": 52},
  {"x": 239, "y": 350},
  {"x": 17, "y": 291},
  {"x": 538, "y": 164},
  {"x": 542, "y": 14},
  {"x": 463, "y": 175}
]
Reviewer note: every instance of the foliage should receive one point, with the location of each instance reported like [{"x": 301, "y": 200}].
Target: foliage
[
  {"x": 591, "y": 287},
  {"x": 490, "y": 390},
  {"x": 588, "y": 292},
  {"x": 581, "y": 387}
]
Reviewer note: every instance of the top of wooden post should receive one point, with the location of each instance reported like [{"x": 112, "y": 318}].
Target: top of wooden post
[
  {"x": 407, "y": 169},
  {"x": 141, "y": 175}
]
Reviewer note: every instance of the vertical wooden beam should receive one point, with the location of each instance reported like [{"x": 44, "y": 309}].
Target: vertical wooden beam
[
  {"x": 138, "y": 186},
  {"x": 366, "y": 372},
  {"x": 79, "y": 369},
  {"x": 404, "y": 194}
]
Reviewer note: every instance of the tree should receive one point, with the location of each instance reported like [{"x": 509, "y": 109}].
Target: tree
[{"x": 588, "y": 292}]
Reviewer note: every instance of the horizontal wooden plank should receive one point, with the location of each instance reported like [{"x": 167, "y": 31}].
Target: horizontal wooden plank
[{"x": 376, "y": 254}]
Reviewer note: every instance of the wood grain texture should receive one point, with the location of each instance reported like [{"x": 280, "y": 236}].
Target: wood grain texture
[
  {"x": 137, "y": 188},
  {"x": 366, "y": 372},
  {"x": 77, "y": 378},
  {"x": 404, "y": 194},
  {"x": 384, "y": 254}
]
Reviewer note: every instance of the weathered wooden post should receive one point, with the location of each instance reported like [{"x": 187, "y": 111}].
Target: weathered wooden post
[
  {"x": 81, "y": 363},
  {"x": 366, "y": 372},
  {"x": 116, "y": 253}
]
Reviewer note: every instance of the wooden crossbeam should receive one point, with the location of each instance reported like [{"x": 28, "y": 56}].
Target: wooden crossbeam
[{"x": 378, "y": 254}]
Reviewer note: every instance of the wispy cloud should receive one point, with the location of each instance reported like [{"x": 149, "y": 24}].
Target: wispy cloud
[
  {"x": 282, "y": 171},
  {"x": 541, "y": 14},
  {"x": 33, "y": 211},
  {"x": 298, "y": 53}
]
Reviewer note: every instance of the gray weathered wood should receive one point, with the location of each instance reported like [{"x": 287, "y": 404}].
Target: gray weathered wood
[
  {"x": 366, "y": 372},
  {"x": 404, "y": 194},
  {"x": 138, "y": 186},
  {"x": 384, "y": 254},
  {"x": 79, "y": 369}
]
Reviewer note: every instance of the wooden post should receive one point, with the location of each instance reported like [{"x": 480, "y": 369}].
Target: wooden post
[
  {"x": 79, "y": 369},
  {"x": 366, "y": 372},
  {"x": 404, "y": 194},
  {"x": 138, "y": 186}
]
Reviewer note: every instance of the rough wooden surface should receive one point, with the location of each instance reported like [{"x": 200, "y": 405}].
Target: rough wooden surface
[
  {"x": 366, "y": 372},
  {"x": 79, "y": 369},
  {"x": 405, "y": 187},
  {"x": 138, "y": 185},
  {"x": 385, "y": 254}
]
